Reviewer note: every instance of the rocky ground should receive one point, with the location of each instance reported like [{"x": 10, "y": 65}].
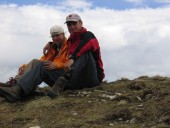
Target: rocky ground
[{"x": 140, "y": 103}]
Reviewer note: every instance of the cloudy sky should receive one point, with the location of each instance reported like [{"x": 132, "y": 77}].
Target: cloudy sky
[{"x": 134, "y": 35}]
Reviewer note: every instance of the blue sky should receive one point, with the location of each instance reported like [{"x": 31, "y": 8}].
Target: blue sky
[
  {"x": 134, "y": 35},
  {"x": 113, "y": 4}
]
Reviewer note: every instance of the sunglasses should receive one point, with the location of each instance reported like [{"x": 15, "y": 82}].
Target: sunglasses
[{"x": 71, "y": 23}]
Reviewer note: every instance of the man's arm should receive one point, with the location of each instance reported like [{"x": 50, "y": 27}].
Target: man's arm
[
  {"x": 84, "y": 45},
  {"x": 47, "y": 48}
]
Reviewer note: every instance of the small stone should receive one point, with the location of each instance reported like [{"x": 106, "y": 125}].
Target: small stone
[
  {"x": 133, "y": 120},
  {"x": 139, "y": 98},
  {"x": 35, "y": 127},
  {"x": 111, "y": 124}
]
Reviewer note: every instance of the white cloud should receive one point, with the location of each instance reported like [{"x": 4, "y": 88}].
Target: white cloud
[
  {"x": 75, "y": 5},
  {"x": 163, "y": 1},
  {"x": 7, "y": 72},
  {"x": 133, "y": 42},
  {"x": 137, "y": 2}
]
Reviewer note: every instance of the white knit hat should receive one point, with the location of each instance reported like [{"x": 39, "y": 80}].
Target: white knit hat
[{"x": 56, "y": 29}]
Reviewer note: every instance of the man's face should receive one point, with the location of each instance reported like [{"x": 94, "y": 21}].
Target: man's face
[
  {"x": 58, "y": 38},
  {"x": 74, "y": 26}
]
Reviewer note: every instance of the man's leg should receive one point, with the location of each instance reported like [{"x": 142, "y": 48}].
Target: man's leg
[
  {"x": 28, "y": 67},
  {"x": 27, "y": 84},
  {"x": 12, "y": 81},
  {"x": 84, "y": 72},
  {"x": 36, "y": 76}
]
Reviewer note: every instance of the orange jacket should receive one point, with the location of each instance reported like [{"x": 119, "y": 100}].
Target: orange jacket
[{"x": 59, "y": 60}]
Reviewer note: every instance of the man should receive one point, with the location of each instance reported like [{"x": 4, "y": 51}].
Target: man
[
  {"x": 46, "y": 57},
  {"x": 84, "y": 68},
  {"x": 48, "y": 69}
]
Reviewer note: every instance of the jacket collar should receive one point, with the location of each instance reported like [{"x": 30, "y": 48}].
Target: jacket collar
[
  {"x": 75, "y": 35},
  {"x": 57, "y": 47}
]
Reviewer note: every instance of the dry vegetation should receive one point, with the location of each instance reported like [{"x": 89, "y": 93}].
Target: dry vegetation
[{"x": 140, "y": 103}]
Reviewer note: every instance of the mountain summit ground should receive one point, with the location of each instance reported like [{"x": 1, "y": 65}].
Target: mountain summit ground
[{"x": 143, "y": 102}]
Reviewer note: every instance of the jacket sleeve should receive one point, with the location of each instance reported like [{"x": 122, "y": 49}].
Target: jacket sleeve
[
  {"x": 22, "y": 67},
  {"x": 49, "y": 56},
  {"x": 43, "y": 58}
]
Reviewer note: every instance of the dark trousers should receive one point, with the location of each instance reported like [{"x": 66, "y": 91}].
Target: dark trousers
[
  {"x": 36, "y": 76},
  {"x": 83, "y": 73}
]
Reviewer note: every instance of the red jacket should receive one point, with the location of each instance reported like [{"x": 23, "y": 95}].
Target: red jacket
[{"x": 84, "y": 41}]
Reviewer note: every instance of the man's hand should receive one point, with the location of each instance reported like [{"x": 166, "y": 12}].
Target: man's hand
[
  {"x": 46, "y": 48},
  {"x": 49, "y": 65},
  {"x": 67, "y": 66}
]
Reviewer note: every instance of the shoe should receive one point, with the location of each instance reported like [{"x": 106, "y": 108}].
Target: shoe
[
  {"x": 57, "y": 88},
  {"x": 11, "y": 94},
  {"x": 9, "y": 83}
]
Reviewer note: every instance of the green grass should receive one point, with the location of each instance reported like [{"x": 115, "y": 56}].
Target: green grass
[{"x": 139, "y": 103}]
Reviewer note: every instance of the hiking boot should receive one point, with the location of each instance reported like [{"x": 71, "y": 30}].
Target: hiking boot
[
  {"x": 11, "y": 94},
  {"x": 57, "y": 88},
  {"x": 9, "y": 83}
]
